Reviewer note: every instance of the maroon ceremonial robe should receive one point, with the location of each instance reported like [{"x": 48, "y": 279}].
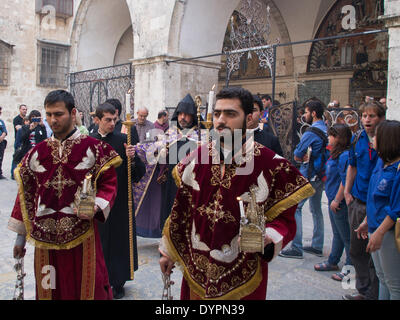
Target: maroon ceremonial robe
[
  {"x": 69, "y": 262},
  {"x": 202, "y": 231}
]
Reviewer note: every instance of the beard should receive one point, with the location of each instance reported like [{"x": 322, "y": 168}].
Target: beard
[
  {"x": 184, "y": 124},
  {"x": 229, "y": 138}
]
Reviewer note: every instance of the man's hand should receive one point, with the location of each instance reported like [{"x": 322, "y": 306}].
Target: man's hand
[
  {"x": 267, "y": 240},
  {"x": 362, "y": 230},
  {"x": 166, "y": 265},
  {"x": 19, "y": 252},
  {"x": 130, "y": 150},
  {"x": 335, "y": 206},
  {"x": 375, "y": 242},
  {"x": 84, "y": 216},
  {"x": 33, "y": 125},
  {"x": 348, "y": 197}
]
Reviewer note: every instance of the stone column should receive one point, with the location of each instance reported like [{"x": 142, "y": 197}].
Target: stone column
[
  {"x": 159, "y": 84},
  {"x": 392, "y": 22}
]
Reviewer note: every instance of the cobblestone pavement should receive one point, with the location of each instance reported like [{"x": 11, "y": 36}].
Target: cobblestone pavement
[{"x": 289, "y": 279}]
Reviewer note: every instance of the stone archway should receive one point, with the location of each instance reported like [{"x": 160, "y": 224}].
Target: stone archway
[{"x": 97, "y": 32}]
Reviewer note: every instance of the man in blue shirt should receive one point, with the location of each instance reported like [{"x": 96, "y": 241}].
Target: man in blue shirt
[
  {"x": 3, "y": 144},
  {"x": 311, "y": 152},
  {"x": 362, "y": 161}
]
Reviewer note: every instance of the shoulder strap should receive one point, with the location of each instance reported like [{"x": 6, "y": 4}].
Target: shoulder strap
[{"x": 319, "y": 133}]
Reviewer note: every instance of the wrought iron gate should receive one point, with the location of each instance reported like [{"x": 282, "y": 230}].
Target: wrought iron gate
[{"x": 92, "y": 87}]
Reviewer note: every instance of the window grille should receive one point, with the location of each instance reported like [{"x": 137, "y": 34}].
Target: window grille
[
  {"x": 64, "y": 8},
  {"x": 53, "y": 65},
  {"x": 5, "y": 55}
]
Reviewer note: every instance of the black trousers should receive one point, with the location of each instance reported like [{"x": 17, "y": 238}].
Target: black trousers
[{"x": 3, "y": 146}]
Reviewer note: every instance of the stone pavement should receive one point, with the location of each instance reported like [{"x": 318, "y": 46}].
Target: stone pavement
[{"x": 289, "y": 279}]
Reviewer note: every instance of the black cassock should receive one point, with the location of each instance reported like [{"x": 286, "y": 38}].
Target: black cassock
[
  {"x": 114, "y": 233},
  {"x": 267, "y": 139}
]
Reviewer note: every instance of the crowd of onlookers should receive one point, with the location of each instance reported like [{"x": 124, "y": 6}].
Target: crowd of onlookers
[{"x": 359, "y": 171}]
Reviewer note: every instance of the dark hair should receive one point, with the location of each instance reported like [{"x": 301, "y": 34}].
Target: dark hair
[
  {"x": 34, "y": 114},
  {"x": 21, "y": 105},
  {"x": 343, "y": 133},
  {"x": 266, "y": 97},
  {"x": 387, "y": 140},
  {"x": 60, "y": 96},
  {"x": 104, "y": 108},
  {"x": 316, "y": 105},
  {"x": 116, "y": 103},
  {"x": 258, "y": 102},
  {"x": 162, "y": 114},
  {"x": 376, "y": 106},
  {"x": 245, "y": 97}
]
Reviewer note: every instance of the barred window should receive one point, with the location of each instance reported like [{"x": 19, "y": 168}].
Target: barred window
[
  {"x": 53, "y": 65},
  {"x": 5, "y": 57},
  {"x": 64, "y": 8}
]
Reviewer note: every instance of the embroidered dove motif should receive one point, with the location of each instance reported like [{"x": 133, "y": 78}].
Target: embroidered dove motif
[
  {"x": 262, "y": 190},
  {"x": 228, "y": 253},
  {"x": 87, "y": 162},
  {"x": 189, "y": 178},
  {"x": 196, "y": 243},
  {"x": 277, "y": 156},
  {"x": 35, "y": 165}
]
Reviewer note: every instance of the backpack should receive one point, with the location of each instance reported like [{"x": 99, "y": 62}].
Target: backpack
[{"x": 321, "y": 171}]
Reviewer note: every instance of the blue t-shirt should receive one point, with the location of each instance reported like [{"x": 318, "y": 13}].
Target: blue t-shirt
[
  {"x": 311, "y": 139},
  {"x": 364, "y": 157},
  {"x": 336, "y": 174},
  {"x": 379, "y": 194}
]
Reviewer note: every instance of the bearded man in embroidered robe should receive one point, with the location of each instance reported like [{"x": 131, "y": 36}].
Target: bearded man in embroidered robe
[
  {"x": 202, "y": 233},
  {"x": 69, "y": 262}
]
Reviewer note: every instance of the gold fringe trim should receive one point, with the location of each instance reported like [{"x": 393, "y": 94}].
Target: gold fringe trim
[
  {"x": 301, "y": 194},
  {"x": 177, "y": 178},
  {"x": 236, "y": 294},
  {"x": 114, "y": 162},
  {"x": 88, "y": 269},
  {"x": 41, "y": 259}
]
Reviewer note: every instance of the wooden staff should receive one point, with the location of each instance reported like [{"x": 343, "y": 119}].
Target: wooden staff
[{"x": 128, "y": 123}]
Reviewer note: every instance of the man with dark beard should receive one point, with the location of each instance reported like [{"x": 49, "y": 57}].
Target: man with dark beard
[
  {"x": 202, "y": 232},
  {"x": 183, "y": 140},
  {"x": 311, "y": 152}
]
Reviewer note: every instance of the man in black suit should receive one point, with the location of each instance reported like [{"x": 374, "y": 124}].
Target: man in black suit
[
  {"x": 262, "y": 136},
  {"x": 114, "y": 233}
]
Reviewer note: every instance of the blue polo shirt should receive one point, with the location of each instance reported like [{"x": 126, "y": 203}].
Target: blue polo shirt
[
  {"x": 311, "y": 139},
  {"x": 364, "y": 158},
  {"x": 394, "y": 212},
  {"x": 379, "y": 194},
  {"x": 336, "y": 174}
]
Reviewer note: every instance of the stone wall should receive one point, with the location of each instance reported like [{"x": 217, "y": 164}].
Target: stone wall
[{"x": 22, "y": 27}]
